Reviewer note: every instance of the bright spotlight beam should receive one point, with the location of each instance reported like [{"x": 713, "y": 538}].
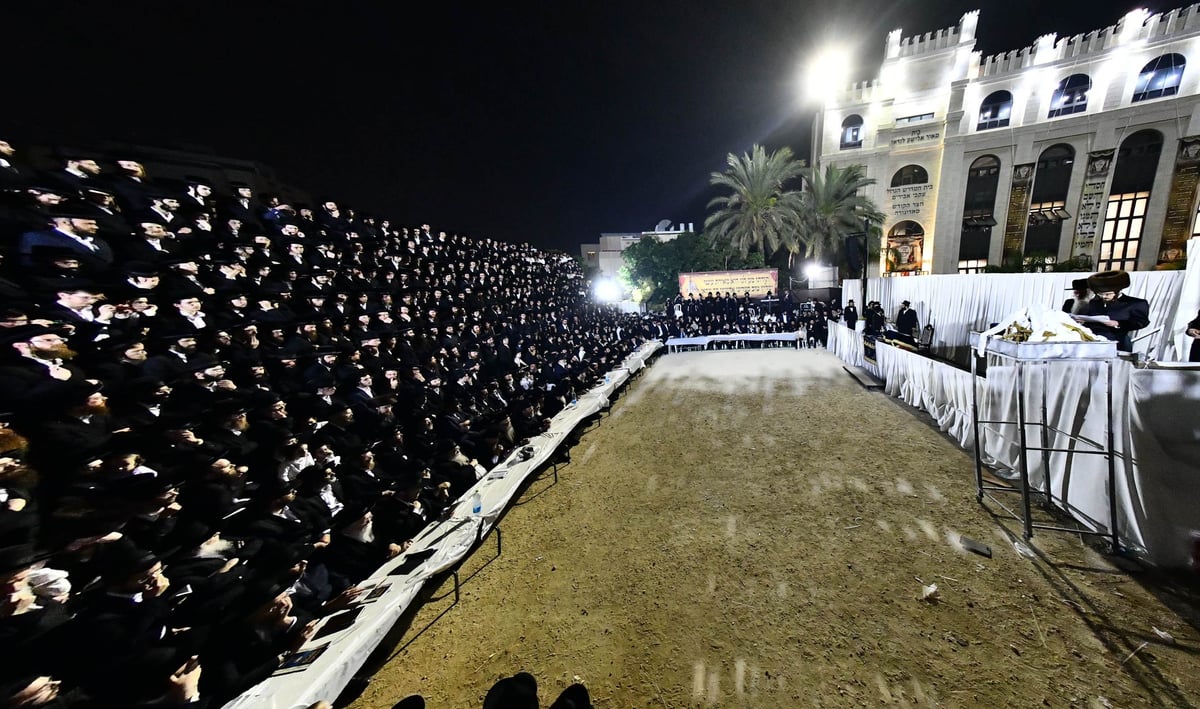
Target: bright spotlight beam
[
  {"x": 827, "y": 73},
  {"x": 607, "y": 291}
]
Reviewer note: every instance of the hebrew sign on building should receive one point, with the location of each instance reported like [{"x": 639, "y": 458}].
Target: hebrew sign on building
[
  {"x": 1091, "y": 203},
  {"x": 756, "y": 282}
]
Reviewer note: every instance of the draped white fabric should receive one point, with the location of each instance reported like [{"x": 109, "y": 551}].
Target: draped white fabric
[
  {"x": 848, "y": 346},
  {"x": 1155, "y": 435},
  {"x": 956, "y": 304},
  {"x": 941, "y": 391},
  {"x": 1178, "y": 344}
]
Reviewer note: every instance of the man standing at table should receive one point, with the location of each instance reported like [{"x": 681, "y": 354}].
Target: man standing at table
[
  {"x": 1078, "y": 304},
  {"x": 850, "y": 314},
  {"x": 1112, "y": 315},
  {"x": 906, "y": 320},
  {"x": 1193, "y": 331}
]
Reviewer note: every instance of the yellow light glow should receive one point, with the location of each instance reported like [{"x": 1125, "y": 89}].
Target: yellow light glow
[{"x": 827, "y": 74}]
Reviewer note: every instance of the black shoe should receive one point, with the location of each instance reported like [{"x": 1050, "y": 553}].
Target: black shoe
[{"x": 573, "y": 697}]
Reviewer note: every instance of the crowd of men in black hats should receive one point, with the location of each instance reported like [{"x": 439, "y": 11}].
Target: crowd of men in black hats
[
  {"x": 223, "y": 411},
  {"x": 728, "y": 314}
]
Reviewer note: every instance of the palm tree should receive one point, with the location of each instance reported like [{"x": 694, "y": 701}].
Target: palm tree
[
  {"x": 763, "y": 213},
  {"x": 833, "y": 209}
]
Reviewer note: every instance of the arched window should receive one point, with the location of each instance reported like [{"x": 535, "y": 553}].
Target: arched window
[
  {"x": 995, "y": 110},
  {"x": 1125, "y": 213},
  {"x": 1047, "y": 210},
  {"x": 1070, "y": 96},
  {"x": 910, "y": 175},
  {"x": 979, "y": 203},
  {"x": 852, "y": 132},
  {"x": 1160, "y": 77}
]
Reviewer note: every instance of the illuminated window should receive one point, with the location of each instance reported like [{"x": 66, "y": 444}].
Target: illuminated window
[
  {"x": 1124, "y": 221},
  {"x": 852, "y": 129},
  {"x": 1160, "y": 77},
  {"x": 1070, "y": 96},
  {"x": 972, "y": 265},
  {"x": 995, "y": 110},
  {"x": 910, "y": 175},
  {"x": 919, "y": 118}
]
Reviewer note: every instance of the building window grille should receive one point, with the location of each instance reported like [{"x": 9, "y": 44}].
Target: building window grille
[
  {"x": 995, "y": 110},
  {"x": 972, "y": 265},
  {"x": 1160, "y": 77},
  {"x": 852, "y": 130},
  {"x": 1071, "y": 96},
  {"x": 1048, "y": 213},
  {"x": 1124, "y": 222}
]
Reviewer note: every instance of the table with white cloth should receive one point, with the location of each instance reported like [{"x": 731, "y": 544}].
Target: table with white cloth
[
  {"x": 440, "y": 547},
  {"x": 1156, "y": 418},
  {"x": 675, "y": 344}
]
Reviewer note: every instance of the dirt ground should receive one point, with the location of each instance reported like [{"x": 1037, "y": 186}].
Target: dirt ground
[{"x": 754, "y": 529}]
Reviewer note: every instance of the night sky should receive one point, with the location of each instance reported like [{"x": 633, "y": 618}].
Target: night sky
[{"x": 547, "y": 123}]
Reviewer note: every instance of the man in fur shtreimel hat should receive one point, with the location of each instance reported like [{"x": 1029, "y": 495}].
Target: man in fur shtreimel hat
[{"x": 1115, "y": 316}]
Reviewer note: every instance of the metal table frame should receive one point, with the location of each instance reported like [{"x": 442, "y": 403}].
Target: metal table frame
[{"x": 1046, "y": 493}]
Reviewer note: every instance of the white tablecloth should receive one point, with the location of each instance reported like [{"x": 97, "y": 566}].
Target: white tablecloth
[{"x": 674, "y": 343}]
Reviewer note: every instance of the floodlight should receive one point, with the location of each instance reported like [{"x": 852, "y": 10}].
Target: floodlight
[
  {"x": 827, "y": 73},
  {"x": 607, "y": 290},
  {"x": 812, "y": 271}
]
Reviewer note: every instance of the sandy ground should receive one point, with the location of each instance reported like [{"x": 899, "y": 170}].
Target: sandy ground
[{"x": 753, "y": 529}]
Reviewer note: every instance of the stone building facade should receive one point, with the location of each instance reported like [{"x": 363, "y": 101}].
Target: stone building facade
[{"x": 1084, "y": 147}]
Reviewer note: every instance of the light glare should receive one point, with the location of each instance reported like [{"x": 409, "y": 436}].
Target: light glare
[
  {"x": 827, "y": 73},
  {"x": 607, "y": 290}
]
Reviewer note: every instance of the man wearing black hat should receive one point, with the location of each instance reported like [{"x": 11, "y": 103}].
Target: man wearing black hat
[
  {"x": 185, "y": 315},
  {"x": 151, "y": 243},
  {"x": 172, "y": 362},
  {"x": 36, "y": 367},
  {"x": 197, "y": 197},
  {"x": 125, "y": 648},
  {"x": 1078, "y": 304},
  {"x": 1113, "y": 315},
  {"x": 355, "y": 550},
  {"x": 70, "y": 228},
  {"x": 243, "y": 206},
  {"x": 1193, "y": 331},
  {"x": 75, "y": 430},
  {"x": 131, "y": 186},
  {"x": 906, "y": 320},
  {"x": 850, "y": 314},
  {"x": 78, "y": 172}
]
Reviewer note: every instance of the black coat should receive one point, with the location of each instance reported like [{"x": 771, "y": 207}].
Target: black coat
[{"x": 1129, "y": 313}]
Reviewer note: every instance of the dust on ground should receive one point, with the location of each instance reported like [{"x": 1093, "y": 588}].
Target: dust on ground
[{"x": 754, "y": 529}]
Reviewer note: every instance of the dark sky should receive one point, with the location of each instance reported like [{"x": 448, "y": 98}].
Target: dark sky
[{"x": 548, "y": 122}]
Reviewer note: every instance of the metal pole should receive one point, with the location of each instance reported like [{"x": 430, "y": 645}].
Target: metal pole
[
  {"x": 1112, "y": 464},
  {"x": 865, "y": 255},
  {"x": 975, "y": 425},
  {"x": 1024, "y": 460},
  {"x": 1049, "y": 491}
]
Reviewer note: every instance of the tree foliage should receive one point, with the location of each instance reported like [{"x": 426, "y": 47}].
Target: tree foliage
[
  {"x": 834, "y": 208},
  {"x": 651, "y": 267},
  {"x": 763, "y": 210}
]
